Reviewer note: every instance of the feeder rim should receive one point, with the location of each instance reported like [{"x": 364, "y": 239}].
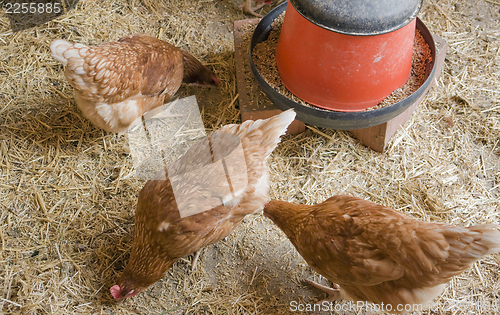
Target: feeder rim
[{"x": 358, "y": 17}]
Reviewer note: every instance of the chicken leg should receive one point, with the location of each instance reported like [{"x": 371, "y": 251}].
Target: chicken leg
[
  {"x": 333, "y": 293},
  {"x": 196, "y": 255},
  {"x": 247, "y": 7}
]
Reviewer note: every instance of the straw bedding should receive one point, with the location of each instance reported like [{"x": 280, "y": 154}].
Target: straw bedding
[{"x": 68, "y": 190}]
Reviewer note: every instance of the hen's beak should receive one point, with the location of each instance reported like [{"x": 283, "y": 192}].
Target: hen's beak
[{"x": 216, "y": 80}]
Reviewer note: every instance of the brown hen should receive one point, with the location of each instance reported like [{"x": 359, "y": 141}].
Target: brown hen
[
  {"x": 377, "y": 254},
  {"x": 115, "y": 83},
  {"x": 163, "y": 234}
]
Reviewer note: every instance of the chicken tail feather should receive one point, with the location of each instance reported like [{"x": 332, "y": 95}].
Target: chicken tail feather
[
  {"x": 287, "y": 117},
  {"x": 272, "y": 129},
  {"x": 58, "y": 48},
  {"x": 490, "y": 237}
]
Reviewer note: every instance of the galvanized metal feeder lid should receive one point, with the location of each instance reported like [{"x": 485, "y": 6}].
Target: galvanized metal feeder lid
[{"x": 359, "y": 17}]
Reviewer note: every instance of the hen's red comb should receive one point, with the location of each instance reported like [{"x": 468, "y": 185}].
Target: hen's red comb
[{"x": 116, "y": 291}]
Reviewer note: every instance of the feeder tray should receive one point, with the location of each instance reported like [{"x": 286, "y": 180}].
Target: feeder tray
[
  {"x": 334, "y": 119},
  {"x": 374, "y": 128},
  {"x": 374, "y": 132}
]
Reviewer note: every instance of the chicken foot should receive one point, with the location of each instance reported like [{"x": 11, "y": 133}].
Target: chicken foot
[{"x": 333, "y": 293}]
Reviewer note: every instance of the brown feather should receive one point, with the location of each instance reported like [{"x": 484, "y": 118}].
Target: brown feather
[
  {"x": 378, "y": 254},
  {"x": 117, "y": 82},
  {"x": 162, "y": 236}
]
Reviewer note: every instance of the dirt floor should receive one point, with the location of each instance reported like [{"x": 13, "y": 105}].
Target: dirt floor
[{"x": 68, "y": 190}]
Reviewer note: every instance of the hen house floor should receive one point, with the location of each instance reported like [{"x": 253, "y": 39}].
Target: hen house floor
[{"x": 68, "y": 191}]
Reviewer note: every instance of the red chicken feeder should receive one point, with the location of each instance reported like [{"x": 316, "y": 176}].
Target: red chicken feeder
[{"x": 346, "y": 55}]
